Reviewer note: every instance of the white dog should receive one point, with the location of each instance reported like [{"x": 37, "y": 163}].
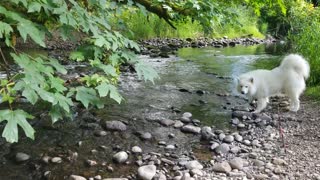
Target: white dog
[{"x": 288, "y": 79}]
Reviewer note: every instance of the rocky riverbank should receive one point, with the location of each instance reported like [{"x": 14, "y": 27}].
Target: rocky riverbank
[{"x": 163, "y": 47}]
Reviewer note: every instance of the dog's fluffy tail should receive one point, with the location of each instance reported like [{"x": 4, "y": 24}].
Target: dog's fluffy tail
[{"x": 297, "y": 63}]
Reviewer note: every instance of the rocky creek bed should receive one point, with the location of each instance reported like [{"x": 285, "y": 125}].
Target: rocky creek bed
[{"x": 190, "y": 126}]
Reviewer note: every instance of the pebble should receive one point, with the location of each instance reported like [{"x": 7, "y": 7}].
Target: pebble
[
  {"x": 170, "y": 147},
  {"x": 20, "y": 157},
  {"x": 238, "y": 138},
  {"x": 178, "y": 124},
  {"x": 228, "y": 139},
  {"x": 223, "y": 167},
  {"x": 167, "y": 122},
  {"x": 76, "y": 177},
  {"x": 120, "y": 157},
  {"x": 146, "y": 136},
  {"x": 91, "y": 162},
  {"x": 222, "y": 149},
  {"x": 236, "y": 163},
  {"x": 193, "y": 165},
  {"x": 258, "y": 163},
  {"x": 191, "y": 129},
  {"x": 116, "y": 126},
  {"x": 56, "y": 160},
  {"x": 279, "y": 161},
  {"x": 147, "y": 172},
  {"x": 136, "y": 149},
  {"x": 247, "y": 142},
  {"x": 187, "y": 115},
  {"x": 206, "y": 133},
  {"x": 222, "y": 136}
]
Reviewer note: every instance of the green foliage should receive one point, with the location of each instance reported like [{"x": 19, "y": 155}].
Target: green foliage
[
  {"x": 40, "y": 78},
  {"x": 305, "y": 36},
  {"x": 15, "y": 118}
]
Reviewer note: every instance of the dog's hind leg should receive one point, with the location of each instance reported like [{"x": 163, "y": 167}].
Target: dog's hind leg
[
  {"x": 262, "y": 103},
  {"x": 294, "y": 102}
]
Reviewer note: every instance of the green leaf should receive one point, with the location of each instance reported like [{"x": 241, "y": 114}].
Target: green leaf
[
  {"x": 146, "y": 71},
  {"x": 105, "y": 88},
  {"x": 77, "y": 56},
  {"x": 34, "y": 7},
  {"x": 88, "y": 96},
  {"x": 57, "y": 83},
  {"x": 15, "y": 118},
  {"x": 64, "y": 102},
  {"x": 55, "y": 63},
  {"x": 55, "y": 114},
  {"x": 5, "y": 29},
  {"x": 28, "y": 92},
  {"x": 28, "y": 28}
]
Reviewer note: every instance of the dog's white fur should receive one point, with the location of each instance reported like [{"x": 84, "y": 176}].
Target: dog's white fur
[{"x": 288, "y": 79}]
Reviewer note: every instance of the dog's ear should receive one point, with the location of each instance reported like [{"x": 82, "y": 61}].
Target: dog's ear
[{"x": 251, "y": 80}]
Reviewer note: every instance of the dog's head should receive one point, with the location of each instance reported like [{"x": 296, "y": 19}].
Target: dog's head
[{"x": 245, "y": 85}]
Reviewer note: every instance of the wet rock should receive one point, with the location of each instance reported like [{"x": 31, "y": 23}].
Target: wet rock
[
  {"x": 136, "y": 149},
  {"x": 206, "y": 133},
  {"x": 178, "y": 124},
  {"x": 116, "y": 126},
  {"x": 20, "y": 157},
  {"x": 222, "y": 149},
  {"x": 146, "y": 136},
  {"x": 193, "y": 165},
  {"x": 46, "y": 159},
  {"x": 100, "y": 133},
  {"x": 235, "y": 121},
  {"x": 171, "y": 135},
  {"x": 236, "y": 163},
  {"x": 185, "y": 119},
  {"x": 187, "y": 115},
  {"x": 56, "y": 160},
  {"x": 120, "y": 157},
  {"x": 91, "y": 162},
  {"x": 147, "y": 172},
  {"x": 222, "y": 167},
  {"x": 166, "y": 122},
  {"x": 191, "y": 129},
  {"x": 160, "y": 176},
  {"x": 76, "y": 177},
  {"x": 170, "y": 147},
  {"x": 98, "y": 177}
]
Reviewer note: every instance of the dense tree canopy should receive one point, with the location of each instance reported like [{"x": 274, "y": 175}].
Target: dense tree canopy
[{"x": 104, "y": 49}]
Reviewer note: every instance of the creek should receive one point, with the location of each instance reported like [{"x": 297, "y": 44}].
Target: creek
[{"x": 197, "y": 80}]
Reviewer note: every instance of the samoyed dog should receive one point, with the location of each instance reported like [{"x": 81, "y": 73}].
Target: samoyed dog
[{"x": 287, "y": 79}]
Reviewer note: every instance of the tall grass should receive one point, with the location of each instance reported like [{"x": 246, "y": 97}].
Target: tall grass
[{"x": 146, "y": 27}]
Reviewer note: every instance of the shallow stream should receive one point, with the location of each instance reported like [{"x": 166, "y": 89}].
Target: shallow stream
[{"x": 199, "y": 81}]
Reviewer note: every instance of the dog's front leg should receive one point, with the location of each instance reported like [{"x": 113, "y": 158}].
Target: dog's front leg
[{"x": 262, "y": 103}]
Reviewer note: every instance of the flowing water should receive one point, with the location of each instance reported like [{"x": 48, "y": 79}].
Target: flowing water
[{"x": 199, "y": 81}]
